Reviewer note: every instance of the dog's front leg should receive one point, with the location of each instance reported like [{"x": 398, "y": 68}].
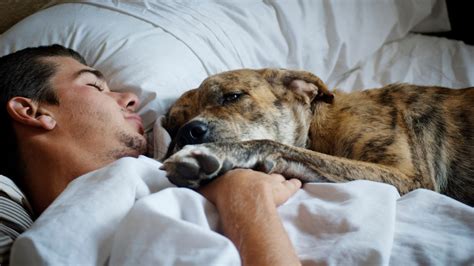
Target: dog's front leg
[
  {"x": 311, "y": 166},
  {"x": 198, "y": 164}
]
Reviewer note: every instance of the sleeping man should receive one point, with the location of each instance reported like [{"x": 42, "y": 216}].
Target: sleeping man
[{"x": 61, "y": 121}]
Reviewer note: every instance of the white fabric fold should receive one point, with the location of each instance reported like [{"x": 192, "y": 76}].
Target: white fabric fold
[
  {"x": 79, "y": 225},
  {"x": 129, "y": 214},
  {"x": 152, "y": 227}
]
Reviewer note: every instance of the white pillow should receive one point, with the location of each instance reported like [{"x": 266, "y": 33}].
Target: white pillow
[{"x": 161, "y": 49}]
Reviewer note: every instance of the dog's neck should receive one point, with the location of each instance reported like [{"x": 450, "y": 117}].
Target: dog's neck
[{"x": 322, "y": 124}]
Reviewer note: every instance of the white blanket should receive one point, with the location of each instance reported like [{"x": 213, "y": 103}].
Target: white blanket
[{"x": 129, "y": 214}]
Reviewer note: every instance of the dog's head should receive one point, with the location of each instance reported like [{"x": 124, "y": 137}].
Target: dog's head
[{"x": 244, "y": 105}]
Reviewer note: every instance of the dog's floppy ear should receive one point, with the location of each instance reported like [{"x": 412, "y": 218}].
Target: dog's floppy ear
[
  {"x": 308, "y": 91},
  {"x": 303, "y": 83}
]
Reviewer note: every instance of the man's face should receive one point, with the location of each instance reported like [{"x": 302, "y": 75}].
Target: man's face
[{"x": 89, "y": 115}]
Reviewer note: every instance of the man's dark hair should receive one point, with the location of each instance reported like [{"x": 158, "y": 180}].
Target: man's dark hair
[{"x": 25, "y": 73}]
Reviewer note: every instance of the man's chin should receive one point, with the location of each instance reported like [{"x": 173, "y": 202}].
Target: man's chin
[{"x": 136, "y": 144}]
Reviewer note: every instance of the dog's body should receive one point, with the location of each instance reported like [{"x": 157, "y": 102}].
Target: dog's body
[{"x": 288, "y": 122}]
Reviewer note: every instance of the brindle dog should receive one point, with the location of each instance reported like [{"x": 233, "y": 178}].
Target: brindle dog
[{"x": 288, "y": 122}]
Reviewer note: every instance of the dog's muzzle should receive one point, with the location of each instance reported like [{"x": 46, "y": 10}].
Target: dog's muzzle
[{"x": 194, "y": 132}]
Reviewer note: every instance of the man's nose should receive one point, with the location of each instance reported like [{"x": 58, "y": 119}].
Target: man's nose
[{"x": 127, "y": 100}]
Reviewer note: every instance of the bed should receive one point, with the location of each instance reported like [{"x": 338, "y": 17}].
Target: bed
[{"x": 128, "y": 213}]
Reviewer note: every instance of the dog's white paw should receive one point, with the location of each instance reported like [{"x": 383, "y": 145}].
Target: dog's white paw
[{"x": 192, "y": 166}]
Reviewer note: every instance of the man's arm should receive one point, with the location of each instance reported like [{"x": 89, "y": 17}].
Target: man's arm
[{"x": 246, "y": 201}]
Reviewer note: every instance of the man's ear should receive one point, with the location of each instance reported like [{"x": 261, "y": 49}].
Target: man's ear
[{"x": 27, "y": 112}]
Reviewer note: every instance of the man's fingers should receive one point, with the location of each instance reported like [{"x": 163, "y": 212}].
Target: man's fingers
[
  {"x": 285, "y": 190},
  {"x": 278, "y": 177},
  {"x": 293, "y": 184}
]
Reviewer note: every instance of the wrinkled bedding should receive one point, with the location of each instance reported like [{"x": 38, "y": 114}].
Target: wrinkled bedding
[{"x": 357, "y": 223}]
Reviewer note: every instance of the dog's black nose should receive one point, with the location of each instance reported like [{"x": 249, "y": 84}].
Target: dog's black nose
[{"x": 194, "y": 132}]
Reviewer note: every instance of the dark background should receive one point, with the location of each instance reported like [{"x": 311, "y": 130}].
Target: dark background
[{"x": 461, "y": 17}]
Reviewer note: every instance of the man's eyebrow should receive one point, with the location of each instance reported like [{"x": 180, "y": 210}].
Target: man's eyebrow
[{"x": 94, "y": 72}]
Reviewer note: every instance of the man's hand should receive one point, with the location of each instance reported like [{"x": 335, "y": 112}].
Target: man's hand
[
  {"x": 247, "y": 201},
  {"x": 244, "y": 181}
]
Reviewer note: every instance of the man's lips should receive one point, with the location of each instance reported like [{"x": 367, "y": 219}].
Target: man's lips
[{"x": 138, "y": 121}]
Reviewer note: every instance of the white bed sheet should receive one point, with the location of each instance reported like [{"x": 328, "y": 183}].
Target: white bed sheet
[
  {"x": 357, "y": 223},
  {"x": 159, "y": 49}
]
